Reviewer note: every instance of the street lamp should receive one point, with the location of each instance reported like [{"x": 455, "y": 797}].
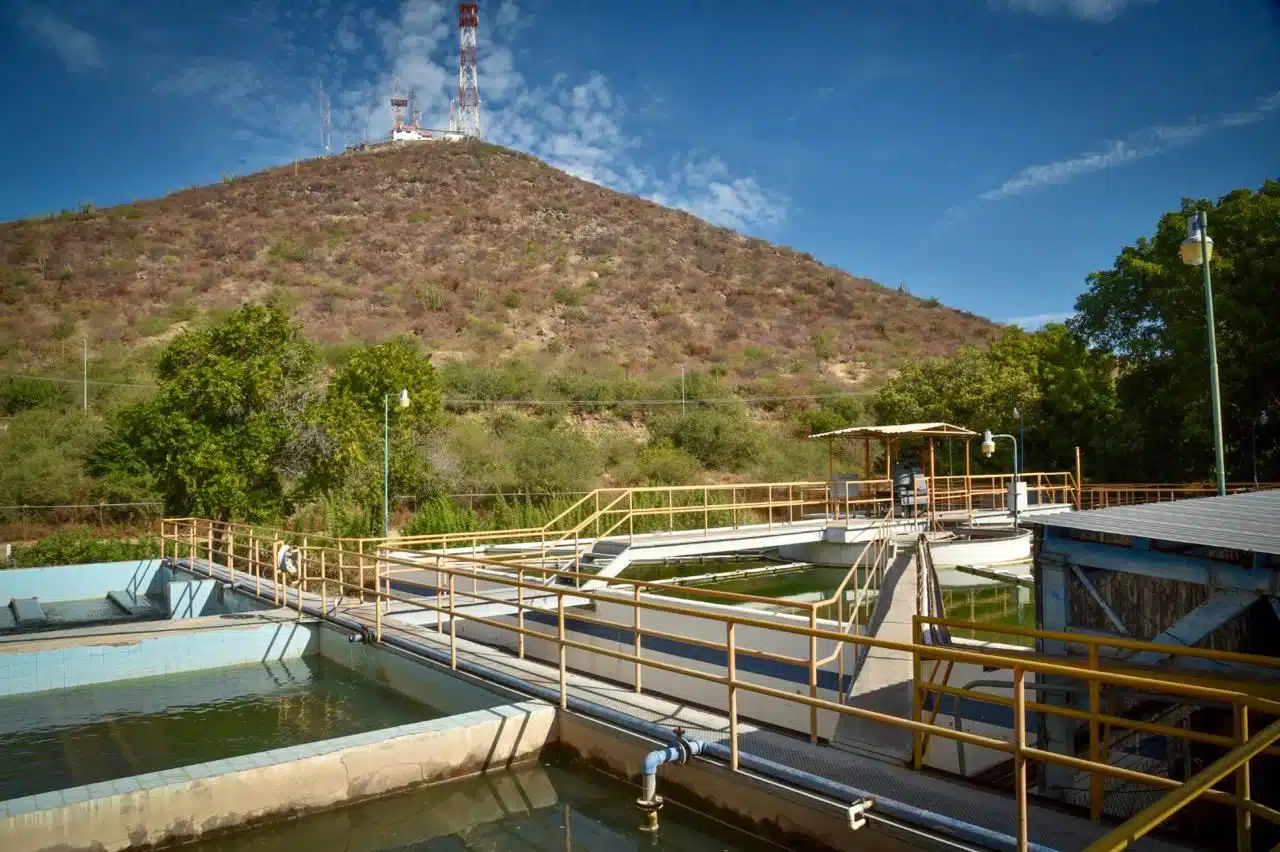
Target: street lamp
[
  {"x": 1020, "y": 463},
  {"x": 386, "y": 459},
  {"x": 1197, "y": 250},
  {"x": 989, "y": 447}
]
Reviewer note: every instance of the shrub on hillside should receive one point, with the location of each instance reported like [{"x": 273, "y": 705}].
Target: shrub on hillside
[
  {"x": 79, "y": 547},
  {"x": 720, "y": 438},
  {"x": 664, "y": 463}
]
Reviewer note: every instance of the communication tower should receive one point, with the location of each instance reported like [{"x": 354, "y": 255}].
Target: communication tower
[{"x": 464, "y": 115}]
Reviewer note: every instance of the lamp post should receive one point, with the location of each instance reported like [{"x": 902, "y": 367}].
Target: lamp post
[
  {"x": 1020, "y": 462},
  {"x": 1197, "y": 250},
  {"x": 989, "y": 447},
  {"x": 386, "y": 459}
]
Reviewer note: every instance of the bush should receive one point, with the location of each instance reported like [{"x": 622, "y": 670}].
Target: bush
[
  {"x": 720, "y": 438},
  {"x": 78, "y": 547},
  {"x": 665, "y": 464},
  {"x": 442, "y": 515}
]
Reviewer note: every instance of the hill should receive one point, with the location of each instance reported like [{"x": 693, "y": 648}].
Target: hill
[{"x": 480, "y": 251}]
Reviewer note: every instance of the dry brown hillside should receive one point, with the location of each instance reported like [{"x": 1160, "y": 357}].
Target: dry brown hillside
[{"x": 363, "y": 246}]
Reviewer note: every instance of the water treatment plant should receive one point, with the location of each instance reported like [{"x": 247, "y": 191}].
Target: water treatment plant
[{"x": 917, "y": 661}]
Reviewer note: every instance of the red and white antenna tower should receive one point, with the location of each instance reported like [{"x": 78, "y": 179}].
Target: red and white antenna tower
[{"x": 466, "y": 113}]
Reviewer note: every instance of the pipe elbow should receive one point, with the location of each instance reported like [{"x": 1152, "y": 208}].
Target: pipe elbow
[{"x": 656, "y": 758}]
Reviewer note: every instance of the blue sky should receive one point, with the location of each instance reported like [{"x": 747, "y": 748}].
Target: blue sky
[{"x": 990, "y": 153}]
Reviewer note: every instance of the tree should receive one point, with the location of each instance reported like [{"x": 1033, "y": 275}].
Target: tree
[
  {"x": 1066, "y": 395},
  {"x": 1148, "y": 311},
  {"x": 351, "y": 423},
  {"x": 227, "y": 431}
]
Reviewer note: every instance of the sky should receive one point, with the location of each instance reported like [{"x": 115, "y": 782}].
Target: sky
[{"x": 989, "y": 153}]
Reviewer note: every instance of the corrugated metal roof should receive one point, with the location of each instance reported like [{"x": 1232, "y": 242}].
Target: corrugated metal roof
[
  {"x": 902, "y": 430},
  {"x": 1248, "y": 521}
]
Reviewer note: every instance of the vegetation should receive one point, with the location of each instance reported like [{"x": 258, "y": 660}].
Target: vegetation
[
  {"x": 79, "y": 547},
  {"x": 1127, "y": 377},
  {"x": 257, "y": 416}
]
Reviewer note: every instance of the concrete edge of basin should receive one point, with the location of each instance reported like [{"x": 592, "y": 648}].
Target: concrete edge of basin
[
  {"x": 162, "y": 808},
  {"x": 792, "y": 818}
]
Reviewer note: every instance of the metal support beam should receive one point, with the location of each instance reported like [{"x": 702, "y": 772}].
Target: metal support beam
[
  {"x": 1166, "y": 566},
  {"x": 1199, "y": 623},
  {"x": 1097, "y": 598}
]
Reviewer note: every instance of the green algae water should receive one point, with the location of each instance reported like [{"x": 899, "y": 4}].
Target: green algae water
[
  {"x": 69, "y": 737},
  {"x": 553, "y": 806}
]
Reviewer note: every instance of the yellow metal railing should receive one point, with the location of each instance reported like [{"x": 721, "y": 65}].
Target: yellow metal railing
[
  {"x": 1106, "y": 495},
  {"x": 336, "y": 575}
]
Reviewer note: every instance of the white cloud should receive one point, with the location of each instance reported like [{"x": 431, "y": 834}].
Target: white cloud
[
  {"x": 1091, "y": 11},
  {"x": 1142, "y": 144},
  {"x": 580, "y": 125},
  {"x": 77, "y": 49},
  {"x": 1036, "y": 321}
]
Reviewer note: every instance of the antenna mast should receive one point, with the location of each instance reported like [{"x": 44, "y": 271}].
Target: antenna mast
[
  {"x": 326, "y": 122},
  {"x": 467, "y": 121},
  {"x": 398, "y": 105}
]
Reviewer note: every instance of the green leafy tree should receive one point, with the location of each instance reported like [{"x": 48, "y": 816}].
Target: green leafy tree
[
  {"x": 351, "y": 421},
  {"x": 722, "y": 438},
  {"x": 227, "y": 431},
  {"x": 1066, "y": 395},
  {"x": 1148, "y": 311}
]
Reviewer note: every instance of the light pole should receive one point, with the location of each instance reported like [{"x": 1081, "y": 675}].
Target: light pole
[
  {"x": 1020, "y": 462},
  {"x": 386, "y": 459},
  {"x": 989, "y": 447},
  {"x": 1197, "y": 250}
]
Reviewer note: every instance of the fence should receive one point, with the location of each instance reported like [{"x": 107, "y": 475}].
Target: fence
[
  {"x": 25, "y": 523},
  {"x": 339, "y": 576}
]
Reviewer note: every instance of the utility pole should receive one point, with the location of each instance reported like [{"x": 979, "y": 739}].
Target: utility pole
[
  {"x": 682, "y": 390},
  {"x": 84, "y": 384}
]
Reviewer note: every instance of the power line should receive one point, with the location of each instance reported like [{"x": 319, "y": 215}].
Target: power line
[
  {"x": 454, "y": 401},
  {"x": 75, "y": 381}
]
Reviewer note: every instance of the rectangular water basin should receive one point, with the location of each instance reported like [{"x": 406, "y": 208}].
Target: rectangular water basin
[{"x": 552, "y": 805}]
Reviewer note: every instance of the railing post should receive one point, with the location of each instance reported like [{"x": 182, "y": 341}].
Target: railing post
[
  {"x": 770, "y": 509},
  {"x": 520, "y": 611},
  {"x": 560, "y": 637},
  {"x": 1096, "y": 789},
  {"x": 1019, "y": 753},
  {"x": 917, "y": 692},
  {"x": 377, "y": 613},
  {"x": 732, "y": 657},
  {"x": 671, "y": 509},
  {"x": 635, "y": 619},
  {"x": 453, "y": 627},
  {"x": 733, "y": 492},
  {"x": 302, "y": 576},
  {"x": 255, "y": 547},
  {"x": 360, "y": 558},
  {"x": 1244, "y": 820},
  {"x": 813, "y": 673},
  {"x": 191, "y": 561},
  {"x": 231, "y": 555},
  {"x": 324, "y": 586},
  {"x": 706, "y": 511},
  {"x": 439, "y": 591},
  {"x": 275, "y": 570},
  {"x": 208, "y": 566},
  {"x": 791, "y": 505}
]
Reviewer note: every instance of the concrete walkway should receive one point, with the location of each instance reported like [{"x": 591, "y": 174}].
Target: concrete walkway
[
  {"x": 882, "y": 679},
  {"x": 943, "y": 795}
]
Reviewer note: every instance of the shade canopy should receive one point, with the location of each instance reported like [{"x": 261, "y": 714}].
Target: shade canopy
[{"x": 901, "y": 430}]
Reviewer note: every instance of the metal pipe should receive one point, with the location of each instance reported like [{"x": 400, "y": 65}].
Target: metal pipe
[{"x": 680, "y": 753}]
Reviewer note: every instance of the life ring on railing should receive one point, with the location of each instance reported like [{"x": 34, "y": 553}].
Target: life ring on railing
[{"x": 287, "y": 560}]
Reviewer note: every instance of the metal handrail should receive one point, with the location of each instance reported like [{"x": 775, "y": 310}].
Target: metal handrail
[{"x": 217, "y": 541}]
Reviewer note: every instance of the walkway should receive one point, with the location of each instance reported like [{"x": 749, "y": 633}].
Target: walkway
[{"x": 943, "y": 795}]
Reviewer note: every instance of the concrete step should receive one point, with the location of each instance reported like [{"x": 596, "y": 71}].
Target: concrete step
[{"x": 27, "y": 612}]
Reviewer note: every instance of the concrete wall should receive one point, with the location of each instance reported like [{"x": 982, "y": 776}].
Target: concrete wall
[
  {"x": 418, "y": 679},
  {"x": 793, "y": 819},
  {"x": 792, "y": 678},
  {"x": 83, "y": 582},
  {"x": 194, "y": 801},
  {"x": 106, "y": 654}
]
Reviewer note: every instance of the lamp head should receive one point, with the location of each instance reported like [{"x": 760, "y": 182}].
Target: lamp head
[
  {"x": 1016, "y": 413},
  {"x": 1193, "y": 254},
  {"x": 404, "y": 398},
  {"x": 988, "y": 444}
]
